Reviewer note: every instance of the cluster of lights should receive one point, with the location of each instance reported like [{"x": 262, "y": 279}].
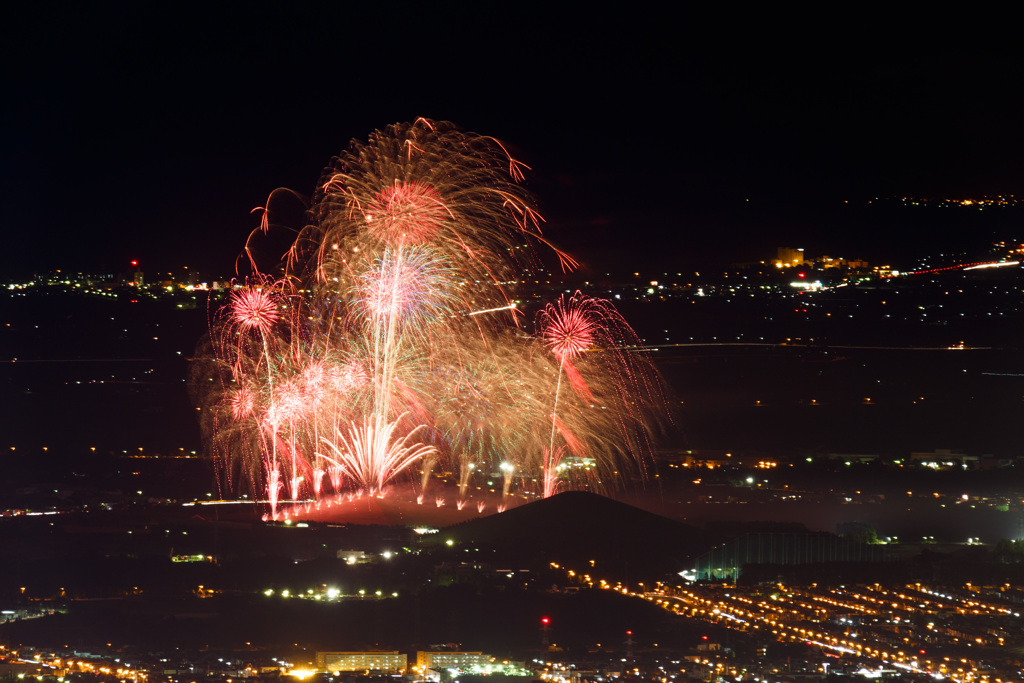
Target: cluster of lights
[
  {"x": 329, "y": 594},
  {"x": 784, "y": 615}
]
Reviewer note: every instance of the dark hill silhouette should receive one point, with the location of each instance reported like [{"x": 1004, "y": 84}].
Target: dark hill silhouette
[{"x": 575, "y": 527}]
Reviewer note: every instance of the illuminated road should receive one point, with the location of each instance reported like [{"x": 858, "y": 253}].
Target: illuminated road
[{"x": 963, "y": 634}]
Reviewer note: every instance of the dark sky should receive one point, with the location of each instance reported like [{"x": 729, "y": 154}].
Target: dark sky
[{"x": 149, "y": 131}]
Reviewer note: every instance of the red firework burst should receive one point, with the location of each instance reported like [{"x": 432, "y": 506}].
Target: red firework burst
[
  {"x": 254, "y": 309},
  {"x": 569, "y": 326},
  {"x": 242, "y": 404},
  {"x": 407, "y": 213}
]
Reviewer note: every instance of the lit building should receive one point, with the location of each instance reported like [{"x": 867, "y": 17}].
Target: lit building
[
  {"x": 335, "y": 662},
  {"x": 451, "y": 660},
  {"x": 353, "y": 556},
  {"x": 788, "y": 257}
]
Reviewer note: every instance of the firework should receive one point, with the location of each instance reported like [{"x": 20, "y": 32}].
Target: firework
[
  {"x": 552, "y": 472},
  {"x": 407, "y": 213},
  {"x": 371, "y": 454},
  {"x": 392, "y": 339},
  {"x": 242, "y": 404},
  {"x": 254, "y": 309},
  {"x": 569, "y": 325},
  {"x": 405, "y": 286}
]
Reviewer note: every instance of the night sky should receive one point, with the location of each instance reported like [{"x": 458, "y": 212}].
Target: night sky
[{"x": 138, "y": 131}]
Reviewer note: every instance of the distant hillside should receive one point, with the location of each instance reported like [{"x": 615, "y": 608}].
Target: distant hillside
[{"x": 576, "y": 527}]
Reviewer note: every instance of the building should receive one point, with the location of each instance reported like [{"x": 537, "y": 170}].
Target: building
[
  {"x": 788, "y": 257},
  {"x": 336, "y": 662},
  {"x": 944, "y": 458},
  {"x": 451, "y": 660},
  {"x": 353, "y": 556}
]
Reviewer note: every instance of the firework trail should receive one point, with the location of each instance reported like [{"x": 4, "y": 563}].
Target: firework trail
[
  {"x": 552, "y": 471},
  {"x": 390, "y": 337},
  {"x": 507, "y": 470},
  {"x": 274, "y": 488}
]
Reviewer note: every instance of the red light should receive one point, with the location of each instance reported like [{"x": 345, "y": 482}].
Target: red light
[
  {"x": 545, "y": 621},
  {"x": 135, "y": 263},
  {"x": 801, "y": 274}
]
